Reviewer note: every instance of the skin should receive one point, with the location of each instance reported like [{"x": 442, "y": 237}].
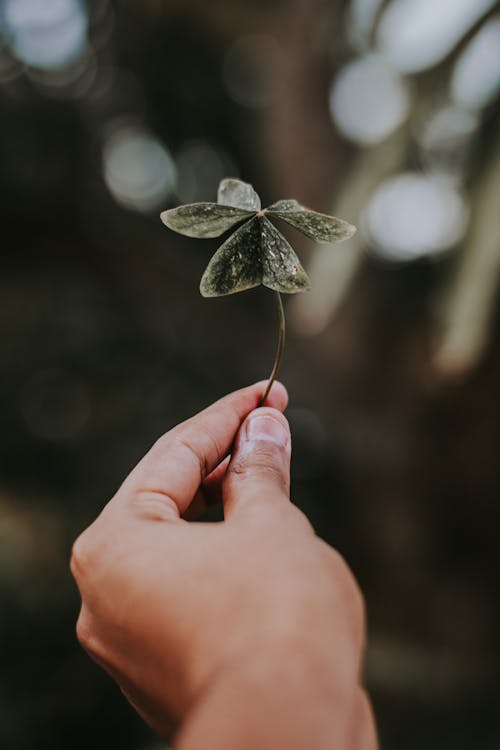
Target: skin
[{"x": 243, "y": 634}]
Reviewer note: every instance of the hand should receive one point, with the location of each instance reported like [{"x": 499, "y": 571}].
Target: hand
[{"x": 247, "y": 633}]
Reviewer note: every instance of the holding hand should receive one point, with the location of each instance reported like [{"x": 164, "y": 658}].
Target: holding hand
[{"x": 247, "y": 633}]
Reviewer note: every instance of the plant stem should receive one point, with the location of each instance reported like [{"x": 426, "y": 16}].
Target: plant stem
[{"x": 279, "y": 351}]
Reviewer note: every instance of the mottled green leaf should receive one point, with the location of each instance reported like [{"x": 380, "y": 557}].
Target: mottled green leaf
[
  {"x": 319, "y": 227},
  {"x": 203, "y": 219},
  {"x": 237, "y": 264},
  {"x": 288, "y": 204},
  {"x": 256, "y": 253},
  {"x": 281, "y": 269},
  {"x": 233, "y": 192}
]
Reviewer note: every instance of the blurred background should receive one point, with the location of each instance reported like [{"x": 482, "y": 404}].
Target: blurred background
[{"x": 385, "y": 113}]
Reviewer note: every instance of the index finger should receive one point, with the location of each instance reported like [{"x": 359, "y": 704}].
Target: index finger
[{"x": 165, "y": 481}]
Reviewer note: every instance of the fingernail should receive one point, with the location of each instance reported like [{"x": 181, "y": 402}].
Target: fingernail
[{"x": 265, "y": 427}]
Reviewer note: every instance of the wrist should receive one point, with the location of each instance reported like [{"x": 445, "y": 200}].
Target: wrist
[{"x": 278, "y": 694}]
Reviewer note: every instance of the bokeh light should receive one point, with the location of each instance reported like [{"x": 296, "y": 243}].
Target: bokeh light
[
  {"x": 476, "y": 76},
  {"x": 361, "y": 17},
  {"x": 45, "y": 35},
  {"x": 368, "y": 100},
  {"x": 412, "y": 215},
  {"x": 416, "y": 34},
  {"x": 138, "y": 168}
]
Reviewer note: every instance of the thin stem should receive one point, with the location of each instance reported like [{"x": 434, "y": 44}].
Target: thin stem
[{"x": 279, "y": 351}]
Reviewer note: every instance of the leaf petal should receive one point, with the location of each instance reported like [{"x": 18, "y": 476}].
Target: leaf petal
[
  {"x": 203, "y": 219},
  {"x": 319, "y": 227},
  {"x": 237, "y": 264},
  {"x": 233, "y": 192},
  {"x": 281, "y": 269}
]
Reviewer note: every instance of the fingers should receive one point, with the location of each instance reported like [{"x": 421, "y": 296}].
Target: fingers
[
  {"x": 167, "y": 479},
  {"x": 209, "y": 494},
  {"x": 259, "y": 471}
]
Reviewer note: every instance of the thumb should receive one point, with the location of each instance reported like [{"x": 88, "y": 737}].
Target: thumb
[{"x": 258, "y": 474}]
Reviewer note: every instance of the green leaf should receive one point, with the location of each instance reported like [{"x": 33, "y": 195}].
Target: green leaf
[
  {"x": 288, "y": 204},
  {"x": 237, "y": 264},
  {"x": 233, "y": 192},
  {"x": 203, "y": 219},
  {"x": 281, "y": 269},
  {"x": 319, "y": 227},
  {"x": 256, "y": 253}
]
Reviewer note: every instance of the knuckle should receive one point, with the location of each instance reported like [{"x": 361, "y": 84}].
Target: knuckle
[
  {"x": 184, "y": 444},
  {"x": 83, "y": 632},
  {"x": 81, "y": 556},
  {"x": 154, "y": 505},
  {"x": 352, "y": 597},
  {"x": 194, "y": 441},
  {"x": 259, "y": 466},
  {"x": 264, "y": 456},
  {"x": 90, "y": 553},
  {"x": 87, "y": 636},
  {"x": 161, "y": 444}
]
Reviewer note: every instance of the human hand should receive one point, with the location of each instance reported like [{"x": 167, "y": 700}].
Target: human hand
[{"x": 201, "y": 624}]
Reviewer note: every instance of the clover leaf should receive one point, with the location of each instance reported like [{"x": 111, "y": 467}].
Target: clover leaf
[{"x": 256, "y": 252}]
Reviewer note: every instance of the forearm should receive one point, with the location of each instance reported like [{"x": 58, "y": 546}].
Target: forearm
[{"x": 288, "y": 700}]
